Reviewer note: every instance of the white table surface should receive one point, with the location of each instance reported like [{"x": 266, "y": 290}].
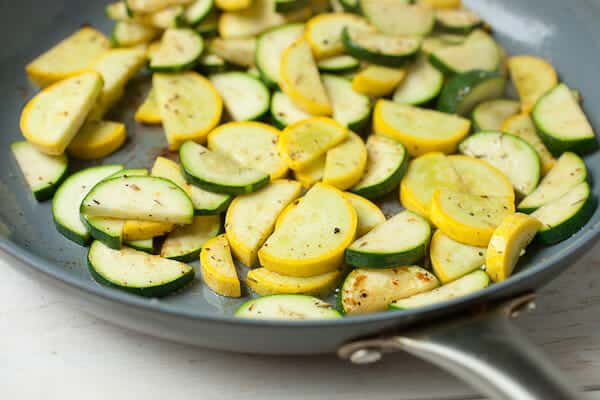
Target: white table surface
[{"x": 51, "y": 350}]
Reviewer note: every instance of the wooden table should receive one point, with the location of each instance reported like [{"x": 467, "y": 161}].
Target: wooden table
[{"x": 50, "y": 350}]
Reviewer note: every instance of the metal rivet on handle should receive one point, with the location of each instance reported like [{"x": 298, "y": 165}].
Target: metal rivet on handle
[{"x": 365, "y": 356}]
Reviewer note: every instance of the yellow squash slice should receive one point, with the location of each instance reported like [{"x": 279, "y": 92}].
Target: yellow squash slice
[
  {"x": 305, "y": 141},
  {"x": 233, "y": 5},
  {"x": 311, "y": 174},
  {"x": 97, "y": 139},
  {"x": 441, "y": 4},
  {"x": 142, "y": 230},
  {"x": 508, "y": 242},
  {"x": 421, "y": 131},
  {"x": 237, "y": 51},
  {"x": 324, "y": 32},
  {"x": 368, "y": 214},
  {"x": 148, "y": 112},
  {"x": 251, "y": 218},
  {"x": 345, "y": 163},
  {"x": 300, "y": 80},
  {"x": 481, "y": 178},
  {"x": 218, "y": 269},
  {"x": 189, "y": 105},
  {"x": 265, "y": 283},
  {"x": 451, "y": 259},
  {"x": 533, "y": 77},
  {"x": 71, "y": 56},
  {"x": 311, "y": 237},
  {"x": 377, "y": 81},
  {"x": 53, "y": 117}
]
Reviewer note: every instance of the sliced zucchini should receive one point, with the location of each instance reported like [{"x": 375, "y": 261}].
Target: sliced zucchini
[
  {"x": 151, "y": 6},
  {"x": 284, "y": 112},
  {"x": 439, "y": 41},
  {"x": 185, "y": 242},
  {"x": 490, "y": 115},
  {"x": 137, "y": 272},
  {"x": 562, "y": 123},
  {"x": 68, "y": 197},
  {"x": 251, "y": 218},
  {"x": 209, "y": 64},
  {"x": 467, "y": 218},
  {"x": 368, "y": 214},
  {"x": 107, "y": 230},
  {"x": 401, "y": 240},
  {"x": 245, "y": 97},
  {"x": 510, "y": 154},
  {"x": 366, "y": 290},
  {"x": 270, "y": 47},
  {"x": 324, "y": 32},
  {"x": 351, "y": 5},
  {"x": 148, "y": 112},
  {"x": 209, "y": 26},
  {"x": 179, "y": 50},
  {"x": 521, "y": 125},
  {"x": 508, "y": 243},
  {"x": 189, "y": 105},
  {"x": 237, "y": 51},
  {"x": 380, "y": 49},
  {"x": 218, "y": 269},
  {"x": 43, "y": 173},
  {"x": 198, "y": 11},
  {"x": 305, "y": 141},
  {"x": 464, "y": 91},
  {"x": 52, "y": 118},
  {"x": 287, "y": 307},
  {"x": 533, "y": 78},
  {"x": 478, "y": 52},
  {"x": 170, "y": 17},
  {"x": 142, "y": 198},
  {"x": 422, "y": 84},
  {"x": 452, "y": 260},
  {"x": 216, "y": 173},
  {"x": 299, "y": 79},
  {"x": 283, "y": 6},
  {"x": 459, "y": 21},
  {"x": 265, "y": 283},
  {"x": 97, "y": 139},
  {"x": 233, "y": 5},
  {"x": 464, "y": 286},
  {"x": 311, "y": 237},
  {"x": 420, "y": 130},
  {"x": 398, "y": 17},
  {"x": 130, "y": 172},
  {"x": 72, "y": 56},
  {"x": 345, "y": 163},
  {"x": 350, "y": 108},
  {"x": 338, "y": 64},
  {"x": 131, "y": 33},
  {"x": 251, "y": 144},
  {"x": 568, "y": 172},
  {"x": 377, "y": 81},
  {"x": 563, "y": 217},
  {"x": 117, "y": 11},
  {"x": 387, "y": 161},
  {"x": 481, "y": 178},
  {"x": 311, "y": 174},
  {"x": 147, "y": 245},
  {"x": 320, "y": 6}
]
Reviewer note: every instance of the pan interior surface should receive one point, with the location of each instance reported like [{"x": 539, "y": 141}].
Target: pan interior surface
[{"x": 565, "y": 33}]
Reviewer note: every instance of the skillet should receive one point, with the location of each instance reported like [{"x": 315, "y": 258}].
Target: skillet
[{"x": 470, "y": 336}]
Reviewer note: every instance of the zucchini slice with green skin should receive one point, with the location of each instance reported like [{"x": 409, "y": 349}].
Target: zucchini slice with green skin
[
  {"x": 452, "y": 260},
  {"x": 465, "y": 91},
  {"x": 350, "y": 108},
  {"x": 137, "y": 272},
  {"x": 352, "y": 6},
  {"x": 368, "y": 214},
  {"x": 457, "y": 21},
  {"x": 510, "y": 154},
  {"x": 284, "y": 112},
  {"x": 43, "y": 173},
  {"x": 562, "y": 123},
  {"x": 568, "y": 172},
  {"x": 565, "y": 216},
  {"x": 146, "y": 245},
  {"x": 464, "y": 286},
  {"x": 68, "y": 197},
  {"x": 398, "y": 17},
  {"x": 366, "y": 290},
  {"x": 490, "y": 115},
  {"x": 216, "y": 173},
  {"x": 339, "y": 64},
  {"x": 236, "y": 51},
  {"x": 478, "y": 52},
  {"x": 422, "y": 84},
  {"x": 130, "y": 33},
  {"x": 269, "y": 48},
  {"x": 179, "y": 50},
  {"x": 211, "y": 64},
  {"x": 245, "y": 97},
  {"x": 185, "y": 242},
  {"x": 283, "y": 6},
  {"x": 198, "y": 11},
  {"x": 401, "y": 240},
  {"x": 209, "y": 26},
  {"x": 144, "y": 198},
  {"x": 387, "y": 162},
  {"x": 287, "y": 307},
  {"x": 380, "y": 49}
]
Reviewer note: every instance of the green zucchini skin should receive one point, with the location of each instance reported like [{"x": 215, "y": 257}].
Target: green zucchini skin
[
  {"x": 460, "y": 87},
  {"x": 339, "y": 69},
  {"x": 387, "y": 186},
  {"x": 112, "y": 241},
  {"x": 72, "y": 236},
  {"x": 385, "y": 260},
  {"x": 388, "y": 60},
  {"x": 137, "y": 245},
  {"x": 570, "y": 226},
  {"x": 214, "y": 211},
  {"x": 351, "y": 6},
  {"x": 218, "y": 188},
  {"x": 283, "y": 6},
  {"x": 558, "y": 146}
]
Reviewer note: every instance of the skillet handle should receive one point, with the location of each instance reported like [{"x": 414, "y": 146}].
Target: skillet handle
[{"x": 483, "y": 349}]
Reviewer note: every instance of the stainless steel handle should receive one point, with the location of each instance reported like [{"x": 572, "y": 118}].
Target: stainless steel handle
[{"x": 484, "y": 349}]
